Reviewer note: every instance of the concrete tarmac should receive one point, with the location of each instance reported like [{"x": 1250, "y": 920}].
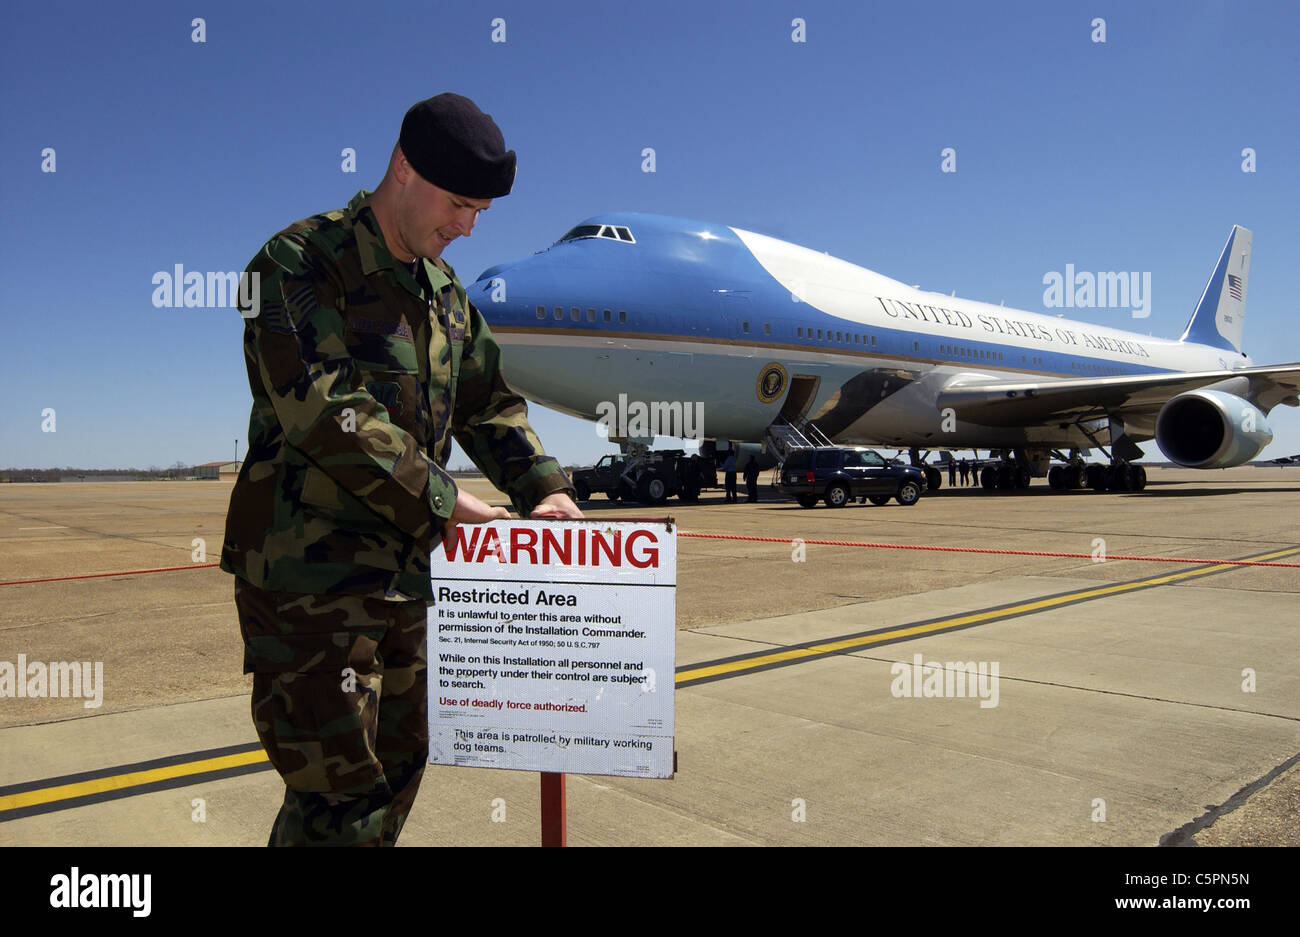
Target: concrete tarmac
[{"x": 1136, "y": 703}]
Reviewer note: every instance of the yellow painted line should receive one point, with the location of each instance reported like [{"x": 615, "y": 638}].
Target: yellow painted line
[
  {"x": 204, "y": 765},
  {"x": 131, "y": 779},
  {"x": 1037, "y": 605}
]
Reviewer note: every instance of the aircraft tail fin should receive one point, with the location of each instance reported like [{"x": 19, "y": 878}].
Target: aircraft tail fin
[{"x": 1221, "y": 313}]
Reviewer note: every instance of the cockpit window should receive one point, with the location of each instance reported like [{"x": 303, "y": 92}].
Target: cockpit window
[
  {"x": 608, "y": 231},
  {"x": 582, "y": 231}
]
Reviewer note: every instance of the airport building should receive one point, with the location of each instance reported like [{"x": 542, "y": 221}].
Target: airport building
[{"x": 216, "y": 471}]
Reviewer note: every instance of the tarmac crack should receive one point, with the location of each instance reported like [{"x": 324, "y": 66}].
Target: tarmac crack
[
  {"x": 730, "y": 637},
  {"x": 1183, "y": 836}
]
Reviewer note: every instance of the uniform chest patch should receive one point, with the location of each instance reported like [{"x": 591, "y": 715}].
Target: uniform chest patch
[{"x": 380, "y": 327}]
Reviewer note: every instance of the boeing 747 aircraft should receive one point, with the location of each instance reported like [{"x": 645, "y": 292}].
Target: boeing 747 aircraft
[{"x": 782, "y": 345}]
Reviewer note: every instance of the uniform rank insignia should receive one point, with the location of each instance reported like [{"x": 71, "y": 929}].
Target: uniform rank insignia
[
  {"x": 300, "y": 305},
  {"x": 276, "y": 318}
]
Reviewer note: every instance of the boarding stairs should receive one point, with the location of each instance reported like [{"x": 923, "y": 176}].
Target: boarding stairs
[{"x": 782, "y": 437}]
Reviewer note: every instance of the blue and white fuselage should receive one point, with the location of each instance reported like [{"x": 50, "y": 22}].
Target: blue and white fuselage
[{"x": 662, "y": 308}]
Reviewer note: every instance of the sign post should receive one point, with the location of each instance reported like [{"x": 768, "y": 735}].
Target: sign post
[{"x": 552, "y": 649}]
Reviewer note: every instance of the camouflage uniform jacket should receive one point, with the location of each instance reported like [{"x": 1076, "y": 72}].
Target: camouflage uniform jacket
[{"x": 360, "y": 381}]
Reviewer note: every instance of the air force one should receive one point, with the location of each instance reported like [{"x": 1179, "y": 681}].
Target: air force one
[{"x": 787, "y": 346}]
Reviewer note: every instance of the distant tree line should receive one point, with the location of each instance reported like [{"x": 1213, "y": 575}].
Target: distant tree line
[{"x": 152, "y": 473}]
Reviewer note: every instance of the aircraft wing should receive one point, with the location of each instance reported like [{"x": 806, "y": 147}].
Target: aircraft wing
[{"x": 1020, "y": 403}]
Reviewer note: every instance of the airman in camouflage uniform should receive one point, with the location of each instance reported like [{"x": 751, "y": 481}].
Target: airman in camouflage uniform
[{"x": 365, "y": 359}]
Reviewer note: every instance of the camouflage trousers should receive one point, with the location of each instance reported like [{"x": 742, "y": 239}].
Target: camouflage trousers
[{"x": 340, "y": 703}]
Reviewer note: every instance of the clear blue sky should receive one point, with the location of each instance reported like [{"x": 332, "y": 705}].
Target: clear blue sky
[{"x": 1117, "y": 156}]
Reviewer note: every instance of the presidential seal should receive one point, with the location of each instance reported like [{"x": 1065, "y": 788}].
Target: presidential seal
[{"x": 771, "y": 382}]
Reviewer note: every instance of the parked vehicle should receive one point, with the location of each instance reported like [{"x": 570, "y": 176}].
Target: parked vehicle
[
  {"x": 839, "y": 474},
  {"x": 650, "y": 478}
]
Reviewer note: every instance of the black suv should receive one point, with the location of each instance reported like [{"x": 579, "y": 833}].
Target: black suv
[{"x": 840, "y": 473}]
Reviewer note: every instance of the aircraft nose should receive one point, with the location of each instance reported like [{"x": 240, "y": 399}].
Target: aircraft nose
[
  {"x": 502, "y": 295},
  {"x": 491, "y": 272}
]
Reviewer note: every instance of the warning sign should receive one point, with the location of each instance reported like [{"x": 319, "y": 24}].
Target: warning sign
[{"x": 551, "y": 647}]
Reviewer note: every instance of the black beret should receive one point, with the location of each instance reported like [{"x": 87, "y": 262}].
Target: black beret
[{"x": 457, "y": 147}]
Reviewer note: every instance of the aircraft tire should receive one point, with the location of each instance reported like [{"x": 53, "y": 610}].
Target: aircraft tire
[
  {"x": 989, "y": 478},
  {"x": 1139, "y": 478},
  {"x": 878, "y": 500},
  {"x": 807, "y": 501},
  {"x": 1054, "y": 479},
  {"x": 933, "y": 478},
  {"x": 1096, "y": 477}
]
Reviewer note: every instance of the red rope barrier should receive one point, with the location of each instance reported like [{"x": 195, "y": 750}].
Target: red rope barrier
[
  {"x": 917, "y": 546},
  {"x": 820, "y": 543},
  {"x": 129, "y": 572}
]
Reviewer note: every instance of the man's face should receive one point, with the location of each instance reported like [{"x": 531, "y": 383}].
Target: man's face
[{"x": 430, "y": 218}]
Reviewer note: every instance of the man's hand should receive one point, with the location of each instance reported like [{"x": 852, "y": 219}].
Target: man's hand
[
  {"x": 472, "y": 510},
  {"x": 556, "y": 504}
]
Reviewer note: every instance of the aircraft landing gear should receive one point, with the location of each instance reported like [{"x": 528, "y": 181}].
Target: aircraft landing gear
[
  {"x": 1117, "y": 476},
  {"x": 1124, "y": 476},
  {"x": 1008, "y": 476}
]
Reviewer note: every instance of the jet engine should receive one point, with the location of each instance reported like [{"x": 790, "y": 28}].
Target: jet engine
[{"x": 1211, "y": 429}]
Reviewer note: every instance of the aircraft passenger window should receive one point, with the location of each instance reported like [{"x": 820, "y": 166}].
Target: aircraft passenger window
[
  {"x": 916, "y": 346},
  {"x": 767, "y": 328},
  {"x": 622, "y": 315},
  {"x": 575, "y": 313},
  {"x": 744, "y": 326},
  {"x": 873, "y": 340},
  {"x": 799, "y": 331},
  {"x": 839, "y": 337},
  {"x": 591, "y": 315},
  {"x": 559, "y": 313},
  {"x": 609, "y": 316},
  {"x": 541, "y": 312}
]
